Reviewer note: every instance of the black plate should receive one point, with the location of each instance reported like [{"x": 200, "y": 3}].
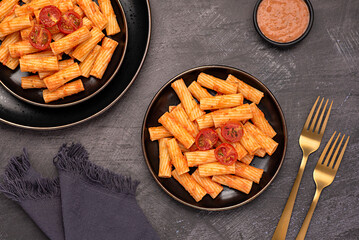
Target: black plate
[
  {"x": 18, "y": 113},
  {"x": 11, "y": 79},
  {"x": 229, "y": 198}
]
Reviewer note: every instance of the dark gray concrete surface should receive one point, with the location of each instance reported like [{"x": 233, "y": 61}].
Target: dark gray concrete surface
[{"x": 192, "y": 33}]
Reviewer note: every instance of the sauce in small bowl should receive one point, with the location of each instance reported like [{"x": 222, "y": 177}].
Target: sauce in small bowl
[{"x": 283, "y": 22}]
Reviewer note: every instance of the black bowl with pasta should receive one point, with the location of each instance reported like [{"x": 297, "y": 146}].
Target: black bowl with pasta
[
  {"x": 228, "y": 198},
  {"x": 11, "y": 79}
]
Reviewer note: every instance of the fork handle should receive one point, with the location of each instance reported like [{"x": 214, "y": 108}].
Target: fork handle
[
  {"x": 304, "y": 228},
  {"x": 282, "y": 227}
]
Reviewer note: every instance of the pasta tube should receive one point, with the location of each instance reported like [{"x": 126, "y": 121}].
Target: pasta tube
[
  {"x": 63, "y": 76},
  {"x": 87, "y": 64},
  {"x": 87, "y": 22},
  {"x": 79, "y": 11},
  {"x": 249, "y": 92},
  {"x": 32, "y": 82},
  {"x": 265, "y": 141},
  {"x": 221, "y": 101},
  {"x": 191, "y": 186},
  {"x": 248, "y": 172},
  {"x": 22, "y": 48},
  {"x": 104, "y": 57},
  {"x": 64, "y": 91},
  {"x": 249, "y": 142},
  {"x": 83, "y": 50},
  {"x": 165, "y": 166},
  {"x": 261, "y": 122},
  {"x": 92, "y": 11},
  {"x": 62, "y": 64},
  {"x": 240, "y": 113},
  {"x": 211, "y": 187},
  {"x": 12, "y": 63},
  {"x": 39, "y": 64},
  {"x": 198, "y": 91},
  {"x": 200, "y": 157},
  {"x": 181, "y": 116},
  {"x": 216, "y": 84},
  {"x": 6, "y": 7},
  {"x": 205, "y": 121},
  {"x": 157, "y": 133},
  {"x": 187, "y": 101},
  {"x": 31, "y": 7},
  {"x": 177, "y": 158},
  {"x": 247, "y": 159},
  {"x": 71, "y": 40},
  {"x": 235, "y": 182},
  {"x": 14, "y": 25},
  {"x": 41, "y": 55},
  {"x": 107, "y": 10},
  {"x": 215, "y": 168},
  {"x": 4, "y": 51},
  {"x": 176, "y": 129}
]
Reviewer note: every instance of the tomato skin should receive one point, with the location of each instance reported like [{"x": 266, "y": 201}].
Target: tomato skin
[
  {"x": 232, "y": 131},
  {"x": 70, "y": 21},
  {"x": 40, "y": 37},
  {"x": 206, "y": 139},
  {"x": 50, "y": 15},
  {"x": 226, "y": 154}
]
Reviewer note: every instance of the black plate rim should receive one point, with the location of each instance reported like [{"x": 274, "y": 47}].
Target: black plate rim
[
  {"x": 109, "y": 105},
  {"x": 285, "y": 134},
  {"x": 45, "y": 105}
]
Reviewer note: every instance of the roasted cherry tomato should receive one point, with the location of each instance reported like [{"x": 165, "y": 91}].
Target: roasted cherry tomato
[
  {"x": 232, "y": 131},
  {"x": 40, "y": 37},
  {"x": 226, "y": 154},
  {"x": 206, "y": 138},
  {"x": 50, "y": 16},
  {"x": 70, "y": 22}
]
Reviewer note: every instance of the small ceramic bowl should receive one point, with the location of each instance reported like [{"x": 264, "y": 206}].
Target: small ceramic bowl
[{"x": 285, "y": 44}]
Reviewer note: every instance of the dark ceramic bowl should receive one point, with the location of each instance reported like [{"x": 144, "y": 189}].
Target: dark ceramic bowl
[
  {"x": 11, "y": 79},
  {"x": 228, "y": 198},
  {"x": 287, "y": 44}
]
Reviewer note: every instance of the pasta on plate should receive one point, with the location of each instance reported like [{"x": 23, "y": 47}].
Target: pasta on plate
[
  {"x": 209, "y": 140},
  {"x": 38, "y": 34}
]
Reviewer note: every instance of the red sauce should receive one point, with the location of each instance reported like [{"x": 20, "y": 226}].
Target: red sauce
[{"x": 283, "y": 20}]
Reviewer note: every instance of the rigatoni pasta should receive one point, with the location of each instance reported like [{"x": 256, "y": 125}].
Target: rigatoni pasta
[
  {"x": 112, "y": 27},
  {"x": 63, "y": 76},
  {"x": 93, "y": 12},
  {"x": 225, "y": 140},
  {"x": 39, "y": 64},
  {"x": 63, "y": 91},
  {"x": 176, "y": 129},
  {"x": 165, "y": 165},
  {"x": 194, "y": 189},
  {"x": 6, "y": 6},
  {"x": 14, "y": 25},
  {"x": 21, "y": 48},
  {"x": 86, "y": 65},
  {"x": 104, "y": 57},
  {"x": 62, "y": 64},
  {"x": 261, "y": 122},
  {"x": 177, "y": 158},
  {"x": 33, "y": 81}
]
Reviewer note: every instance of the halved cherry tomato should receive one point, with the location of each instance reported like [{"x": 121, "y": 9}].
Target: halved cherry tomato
[
  {"x": 70, "y": 22},
  {"x": 206, "y": 138},
  {"x": 50, "y": 15},
  {"x": 232, "y": 131},
  {"x": 226, "y": 154},
  {"x": 40, "y": 37}
]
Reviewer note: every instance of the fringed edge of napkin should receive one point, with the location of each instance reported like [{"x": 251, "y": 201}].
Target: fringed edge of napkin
[
  {"x": 19, "y": 190},
  {"x": 17, "y": 166},
  {"x": 15, "y": 187},
  {"x": 74, "y": 159}
]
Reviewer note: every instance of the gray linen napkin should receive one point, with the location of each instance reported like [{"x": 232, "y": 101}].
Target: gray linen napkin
[{"x": 95, "y": 203}]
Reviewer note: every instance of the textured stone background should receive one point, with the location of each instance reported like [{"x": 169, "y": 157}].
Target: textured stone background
[{"x": 192, "y": 33}]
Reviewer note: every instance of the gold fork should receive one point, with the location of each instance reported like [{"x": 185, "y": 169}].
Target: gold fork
[
  {"x": 309, "y": 142},
  {"x": 324, "y": 174}
]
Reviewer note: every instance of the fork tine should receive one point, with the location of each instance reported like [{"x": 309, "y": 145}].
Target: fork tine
[
  {"x": 327, "y": 159},
  {"x": 336, "y": 153},
  {"x": 326, "y": 119},
  {"x": 326, "y": 149},
  {"x": 341, "y": 155},
  {"x": 306, "y": 125},
  {"x": 316, "y": 115},
  {"x": 321, "y": 117}
]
